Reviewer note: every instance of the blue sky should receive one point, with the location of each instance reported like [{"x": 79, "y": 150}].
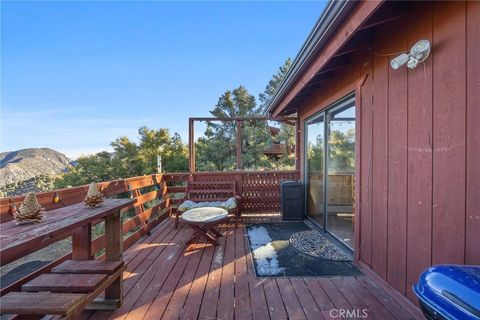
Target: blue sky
[{"x": 76, "y": 75}]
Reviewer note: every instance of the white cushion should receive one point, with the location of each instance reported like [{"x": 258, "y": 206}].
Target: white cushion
[
  {"x": 204, "y": 215},
  {"x": 227, "y": 204}
]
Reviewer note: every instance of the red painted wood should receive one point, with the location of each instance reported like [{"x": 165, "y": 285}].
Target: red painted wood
[
  {"x": 290, "y": 299},
  {"x": 225, "y": 308},
  {"x": 192, "y": 305},
  {"x": 374, "y": 305},
  {"x": 208, "y": 307},
  {"x": 260, "y": 308},
  {"x": 182, "y": 290},
  {"x": 449, "y": 74},
  {"x": 242, "y": 293},
  {"x": 21, "y": 240},
  {"x": 88, "y": 267},
  {"x": 148, "y": 265},
  {"x": 397, "y": 164},
  {"x": 380, "y": 157},
  {"x": 472, "y": 227},
  {"x": 420, "y": 139},
  {"x": 309, "y": 306},
  {"x": 365, "y": 245},
  {"x": 62, "y": 283},
  {"x": 354, "y": 299},
  {"x": 276, "y": 307},
  {"x": 335, "y": 296}
]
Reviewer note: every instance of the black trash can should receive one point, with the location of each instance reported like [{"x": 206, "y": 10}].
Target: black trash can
[{"x": 292, "y": 200}]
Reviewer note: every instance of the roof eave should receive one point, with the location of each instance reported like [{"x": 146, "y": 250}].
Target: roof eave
[{"x": 331, "y": 17}]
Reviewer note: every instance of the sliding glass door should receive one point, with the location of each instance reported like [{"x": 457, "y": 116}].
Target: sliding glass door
[
  {"x": 315, "y": 153},
  {"x": 330, "y": 169}
]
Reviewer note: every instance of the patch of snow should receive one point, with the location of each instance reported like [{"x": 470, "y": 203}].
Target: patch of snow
[
  {"x": 218, "y": 258},
  {"x": 263, "y": 252}
]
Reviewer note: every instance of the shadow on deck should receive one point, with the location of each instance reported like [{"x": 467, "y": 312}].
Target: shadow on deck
[{"x": 163, "y": 281}]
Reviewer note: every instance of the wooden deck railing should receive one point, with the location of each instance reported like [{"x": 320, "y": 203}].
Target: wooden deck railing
[
  {"x": 157, "y": 195},
  {"x": 260, "y": 190}
]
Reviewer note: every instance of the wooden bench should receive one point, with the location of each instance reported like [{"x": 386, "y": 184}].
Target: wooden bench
[
  {"x": 71, "y": 287},
  {"x": 212, "y": 191},
  {"x": 74, "y": 284}
]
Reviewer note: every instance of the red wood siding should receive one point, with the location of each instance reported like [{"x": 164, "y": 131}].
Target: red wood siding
[
  {"x": 472, "y": 252},
  {"x": 418, "y": 149}
]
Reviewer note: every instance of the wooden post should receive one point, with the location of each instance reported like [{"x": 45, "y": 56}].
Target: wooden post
[
  {"x": 297, "y": 144},
  {"x": 191, "y": 145},
  {"x": 82, "y": 243},
  {"x": 113, "y": 252},
  {"x": 239, "y": 144}
]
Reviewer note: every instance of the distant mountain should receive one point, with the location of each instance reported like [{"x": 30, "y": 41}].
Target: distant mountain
[{"x": 25, "y": 164}]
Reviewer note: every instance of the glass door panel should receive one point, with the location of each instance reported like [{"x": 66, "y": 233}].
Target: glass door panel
[
  {"x": 315, "y": 145},
  {"x": 341, "y": 172}
]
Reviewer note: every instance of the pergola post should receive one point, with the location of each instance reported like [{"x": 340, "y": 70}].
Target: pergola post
[
  {"x": 239, "y": 124},
  {"x": 191, "y": 145}
]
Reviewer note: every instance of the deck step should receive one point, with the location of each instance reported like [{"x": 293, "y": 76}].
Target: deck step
[
  {"x": 40, "y": 303},
  {"x": 88, "y": 267},
  {"x": 63, "y": 282}
]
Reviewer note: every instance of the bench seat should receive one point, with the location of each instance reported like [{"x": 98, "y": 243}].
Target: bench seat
[
  {"x": 40, "y": 303},
  {"x": 64, "y": 282}
]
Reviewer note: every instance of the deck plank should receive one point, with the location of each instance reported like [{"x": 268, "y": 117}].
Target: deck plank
[
  {"x": 255, "y": 286},
  {"x": 163, "y": 281},
  {"x": 191, "y": 307},
  {"x": 290, "y": 299},
  {"x": 310, "y": 307},
  {"x": 157, "y": 292},
  {"x": 179, "y": 296},
  {"x": 225, "y": 308},
  {"x": 373, "y": 303},
  {"x": 208, "y": 308},
  {"x": 243, "y": 308},
  {"x": 276, "y": 308}
]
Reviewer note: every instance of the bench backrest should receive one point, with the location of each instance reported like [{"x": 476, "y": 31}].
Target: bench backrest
[{"x": 199, "y": 191}]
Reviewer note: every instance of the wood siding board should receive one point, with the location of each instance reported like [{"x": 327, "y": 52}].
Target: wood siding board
[
  {"x": 380, "y": 159},
  {"x": 420, "y": 170},
  {"x": 472, "y": 228},
  {"x": 358, "y": 161},
  {"x": 366, "y": 166},
  {"x": 397, "y": 164},
  {"x": 448, "y": 241}
]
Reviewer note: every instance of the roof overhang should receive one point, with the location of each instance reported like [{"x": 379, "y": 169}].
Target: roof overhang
[{"x": 338, "y": 22}]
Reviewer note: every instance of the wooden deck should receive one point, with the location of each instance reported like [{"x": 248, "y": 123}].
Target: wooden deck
[{"x": 163, "y": 281}]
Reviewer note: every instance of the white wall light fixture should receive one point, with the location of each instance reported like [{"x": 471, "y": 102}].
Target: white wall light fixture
[{"x": 418, "y": 53}]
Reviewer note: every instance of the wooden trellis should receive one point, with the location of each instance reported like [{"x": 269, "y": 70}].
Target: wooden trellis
[{"x": 239, "y": 125}]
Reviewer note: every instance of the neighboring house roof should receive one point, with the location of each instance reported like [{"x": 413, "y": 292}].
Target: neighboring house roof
[{"x": 319, "y": 45}]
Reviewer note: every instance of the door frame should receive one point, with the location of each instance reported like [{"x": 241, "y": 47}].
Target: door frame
[{"x": 325, "y": 114}]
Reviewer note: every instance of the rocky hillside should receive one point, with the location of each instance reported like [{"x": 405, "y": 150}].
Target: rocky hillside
[{"x": 25, "y": 164}]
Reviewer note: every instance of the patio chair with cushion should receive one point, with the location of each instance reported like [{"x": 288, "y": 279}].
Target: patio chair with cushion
[{"x": 218, "y": 194}]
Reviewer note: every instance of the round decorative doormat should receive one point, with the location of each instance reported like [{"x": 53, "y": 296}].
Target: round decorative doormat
[{"x": 315, "y": 244}]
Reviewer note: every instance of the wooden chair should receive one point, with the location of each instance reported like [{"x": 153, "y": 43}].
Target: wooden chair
[{"x": 212, "y": 191}]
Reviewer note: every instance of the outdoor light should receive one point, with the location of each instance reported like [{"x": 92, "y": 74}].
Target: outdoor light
[{"x": 418, "y": 53}]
